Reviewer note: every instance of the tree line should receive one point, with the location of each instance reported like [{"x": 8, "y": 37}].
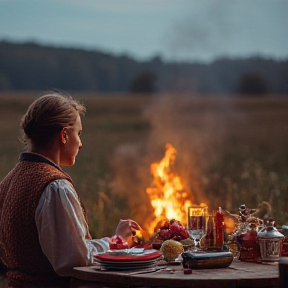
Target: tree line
[{"x": 30, "y": 66}]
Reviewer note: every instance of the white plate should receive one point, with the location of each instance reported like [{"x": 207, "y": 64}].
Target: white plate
[
  {"x": 134, "y": 263},
  {"x": 128, "y": 266},
  {"x": 131, "y": 251}
]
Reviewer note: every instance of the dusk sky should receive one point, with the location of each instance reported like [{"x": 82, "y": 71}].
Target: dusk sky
[{"x": 194, "y": 30}]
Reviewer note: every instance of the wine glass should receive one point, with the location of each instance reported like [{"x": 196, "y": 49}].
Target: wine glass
[{"x": 197, "y": 224}]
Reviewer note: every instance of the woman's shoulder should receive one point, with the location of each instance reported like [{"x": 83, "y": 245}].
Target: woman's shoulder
[
  {"x": 61, "y": 182},
  {"x": 60, "y": 186},
  {"x": 59, "y": 191}
]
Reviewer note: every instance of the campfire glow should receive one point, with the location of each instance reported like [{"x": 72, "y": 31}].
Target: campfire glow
[{"x": 168, "y": 197}]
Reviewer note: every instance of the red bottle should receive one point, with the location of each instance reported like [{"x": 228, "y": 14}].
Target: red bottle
[{"x": 219, "y": 223}]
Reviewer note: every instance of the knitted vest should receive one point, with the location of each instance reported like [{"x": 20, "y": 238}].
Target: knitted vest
[{"x": 20, "y": 192}]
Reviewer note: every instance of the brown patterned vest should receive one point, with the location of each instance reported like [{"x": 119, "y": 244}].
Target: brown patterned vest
[{"x": 20, "y": 192}]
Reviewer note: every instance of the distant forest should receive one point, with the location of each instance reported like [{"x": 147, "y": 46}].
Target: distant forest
[{"x": 29, "y": 66}]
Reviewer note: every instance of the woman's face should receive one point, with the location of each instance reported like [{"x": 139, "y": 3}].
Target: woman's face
[{"x": 72, "y": 144}]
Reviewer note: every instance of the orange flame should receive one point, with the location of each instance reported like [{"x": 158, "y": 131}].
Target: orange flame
[{"x": 167, "y": 195}]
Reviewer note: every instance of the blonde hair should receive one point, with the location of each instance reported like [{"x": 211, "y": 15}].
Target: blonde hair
[{"x": 48, "y": 115}]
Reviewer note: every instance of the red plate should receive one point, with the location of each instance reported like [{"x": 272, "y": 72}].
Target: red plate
[{"x": 147, "y": 255}]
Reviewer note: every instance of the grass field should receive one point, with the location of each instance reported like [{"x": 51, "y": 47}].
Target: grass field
[{"x": 230, "y": 151}]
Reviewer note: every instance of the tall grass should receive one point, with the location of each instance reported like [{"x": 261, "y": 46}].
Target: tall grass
[{"x": 238, "y": 153}]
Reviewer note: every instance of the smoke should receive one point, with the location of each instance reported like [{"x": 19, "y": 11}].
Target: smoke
[
  {"x": 206, "y": 35},
  {"x": 212, "y": 29},
  {"x": 195, "y": 127}
]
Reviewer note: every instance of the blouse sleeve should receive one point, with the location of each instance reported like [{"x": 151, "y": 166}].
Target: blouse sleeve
[{"x": 63, "y": 231}]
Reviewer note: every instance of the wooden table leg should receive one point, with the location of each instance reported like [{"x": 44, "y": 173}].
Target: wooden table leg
[
  {"x": 77, "y": 283},
  {"x": 283, "y": 272}
]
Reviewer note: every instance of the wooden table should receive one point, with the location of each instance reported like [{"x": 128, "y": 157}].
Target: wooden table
[{"x": 238, "y": 274}]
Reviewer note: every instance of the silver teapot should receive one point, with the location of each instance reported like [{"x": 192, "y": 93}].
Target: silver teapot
[{"x": 270, "y": 241}]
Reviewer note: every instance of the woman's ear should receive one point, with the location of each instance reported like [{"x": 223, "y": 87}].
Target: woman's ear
[{"x": 63, "y": 135}]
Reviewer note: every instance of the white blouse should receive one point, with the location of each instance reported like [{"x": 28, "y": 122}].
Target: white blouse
[{"x": 63, "y": 231}]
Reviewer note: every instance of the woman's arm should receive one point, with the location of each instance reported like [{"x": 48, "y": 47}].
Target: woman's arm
[{"x": 63, "y": 231}]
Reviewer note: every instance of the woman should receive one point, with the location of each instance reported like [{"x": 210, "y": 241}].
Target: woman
[{"x": 43, "y": 226}]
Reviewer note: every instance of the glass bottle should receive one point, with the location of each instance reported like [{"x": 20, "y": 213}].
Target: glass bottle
[{"x": 211, "y": 233}]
